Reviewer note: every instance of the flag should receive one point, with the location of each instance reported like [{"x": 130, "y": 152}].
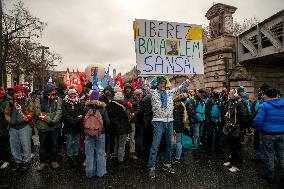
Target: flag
[
  {"x": 79, "y": 82},
  {"x": 95, "y": 83},
  {"x": 138, "y": 85},
  {"x": 168, "y": 83},
  {"x": 104, "y": 81},
  {"x": 66, "y": 79},
  {"x": 114, "y": 78},
  {"x": 133, "y": 84},
  {"x": 118, "y": 80}
]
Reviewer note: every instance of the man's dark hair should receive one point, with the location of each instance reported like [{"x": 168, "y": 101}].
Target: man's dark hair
[
  {"x": 264, "y": 87},
  {"x": 271, "y": 93}
]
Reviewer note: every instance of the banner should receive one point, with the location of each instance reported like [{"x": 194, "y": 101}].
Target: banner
[{"x": 168, "y": 48}]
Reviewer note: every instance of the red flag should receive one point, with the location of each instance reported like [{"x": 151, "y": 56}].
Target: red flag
[
  {"x": 118, "y": 80},
  {"x": 133, "y": 84},
  {"x": 79, "y": 82},
  {"x": 138, "y": 85},
  {"x": 66, "y": 78}
]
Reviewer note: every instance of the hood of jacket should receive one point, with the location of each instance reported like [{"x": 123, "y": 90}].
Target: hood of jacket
[
  {"x": 181, "y": 97},
  {"x": 277, "y": 102},
  {"x": 96, "y": 103}
]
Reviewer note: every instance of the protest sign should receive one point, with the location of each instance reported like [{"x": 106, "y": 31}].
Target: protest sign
[{"x": 168, "y": 48}]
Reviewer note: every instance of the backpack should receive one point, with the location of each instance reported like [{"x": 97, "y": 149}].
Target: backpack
[
  {"x": 93, "y": 123},
  {"x": 200, "y": 112},
  {"x": 245, "y": 111},
  {"x": 256, "y": 107},
  {"x": 215, "y": 112}
]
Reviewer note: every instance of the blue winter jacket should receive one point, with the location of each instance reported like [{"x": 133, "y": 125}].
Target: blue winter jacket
[{"x": 270, "y": 118}]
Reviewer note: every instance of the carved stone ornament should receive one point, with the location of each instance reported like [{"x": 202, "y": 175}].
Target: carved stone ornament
[
  {"x": 221, "y": 20},
  {"x": 240, "y": 74}
]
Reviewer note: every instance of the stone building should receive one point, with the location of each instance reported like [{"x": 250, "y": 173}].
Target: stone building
[{"x": 254, "y": 57}]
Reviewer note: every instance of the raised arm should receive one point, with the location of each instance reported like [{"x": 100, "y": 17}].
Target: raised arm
[{"x": 179, "y": 89}]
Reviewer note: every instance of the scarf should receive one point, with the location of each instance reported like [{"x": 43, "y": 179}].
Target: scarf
[
  {"x": 163, "y": 95},
  {"x": 71, "y": 102}
]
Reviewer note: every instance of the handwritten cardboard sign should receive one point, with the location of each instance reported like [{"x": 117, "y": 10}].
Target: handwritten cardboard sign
[{"x": 168, "y": 48}]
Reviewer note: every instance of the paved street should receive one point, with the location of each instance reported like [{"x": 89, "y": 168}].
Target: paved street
[{"x": 201, "y": 171}]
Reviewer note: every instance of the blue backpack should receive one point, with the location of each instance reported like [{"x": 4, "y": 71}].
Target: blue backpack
[
  {"x": 256, "y": 107},
  {"x": 215, "y": 112},
  {"x": 200, "y": 111},
  {"x": 187, "y": 142}
]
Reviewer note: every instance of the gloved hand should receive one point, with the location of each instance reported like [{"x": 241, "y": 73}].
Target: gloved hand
[
  {"x": 129, "y": 105},
  {"x": 28, "y": 117},
  {"x": 42, "y": 115}
]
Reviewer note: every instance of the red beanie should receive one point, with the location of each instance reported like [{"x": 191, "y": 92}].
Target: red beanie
[{"x": 18, "y": 88}]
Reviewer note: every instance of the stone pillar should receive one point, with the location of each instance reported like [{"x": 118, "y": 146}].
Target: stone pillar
[{"x": 219, "y": 57}]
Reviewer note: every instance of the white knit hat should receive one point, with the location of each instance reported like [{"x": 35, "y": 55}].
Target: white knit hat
[
  {"x": 118, "y": 96},
  {"x": 72, "y": 91}
]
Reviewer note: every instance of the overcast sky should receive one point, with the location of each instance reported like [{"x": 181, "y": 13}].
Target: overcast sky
[{"x": 100, "y": 31}]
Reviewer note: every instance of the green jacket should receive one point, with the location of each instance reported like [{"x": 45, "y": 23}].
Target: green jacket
[
  {"x": 3, "y": 123},
  {"x": 17, "y": 118},
  {"x": 53, "y": 110}
]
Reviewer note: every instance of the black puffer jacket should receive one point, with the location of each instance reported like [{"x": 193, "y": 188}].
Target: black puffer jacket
[
  {"x": 146, "y": 110},
  {"x": 180, "y": 113},
  {"x": 119, "y": 119}
]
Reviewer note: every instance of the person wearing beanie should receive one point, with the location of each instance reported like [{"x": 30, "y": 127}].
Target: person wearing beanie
[
  {"x": 162, "y": 106},
  {"x": 72, "y": 119},
  {"x": 130, "y": 104},
  {"x": 18, "y": 115},
  {"x": 119, "y": 126},
  {"x": 106, "y": 97},
  {"x": 48, "y": 113},
  {"x": 5, "y": 152},
  {"x": 95, "y": 145},
  {"x": 258, "y": 152},
  {"x": 270, "y": 123}
]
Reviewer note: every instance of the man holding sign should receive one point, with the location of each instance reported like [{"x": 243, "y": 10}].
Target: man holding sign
[{"x": 162, "y": 107}]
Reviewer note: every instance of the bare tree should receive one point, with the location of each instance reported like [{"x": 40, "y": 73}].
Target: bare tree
[
  {"x": 27, "y": 58},
  {"x": 240, "y": 27},
  {"x": 17, "y": 23}
]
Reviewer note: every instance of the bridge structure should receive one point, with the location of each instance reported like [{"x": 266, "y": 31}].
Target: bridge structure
[{"x": 263, "y": 42}]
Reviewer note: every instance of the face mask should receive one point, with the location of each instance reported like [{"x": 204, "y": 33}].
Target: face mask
[
  {"x": 72, "y": 97},
  {"x": 18, "y": 97}
]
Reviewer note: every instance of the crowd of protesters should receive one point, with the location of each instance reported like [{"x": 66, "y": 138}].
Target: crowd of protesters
[{"x": 101, "y": 124}]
